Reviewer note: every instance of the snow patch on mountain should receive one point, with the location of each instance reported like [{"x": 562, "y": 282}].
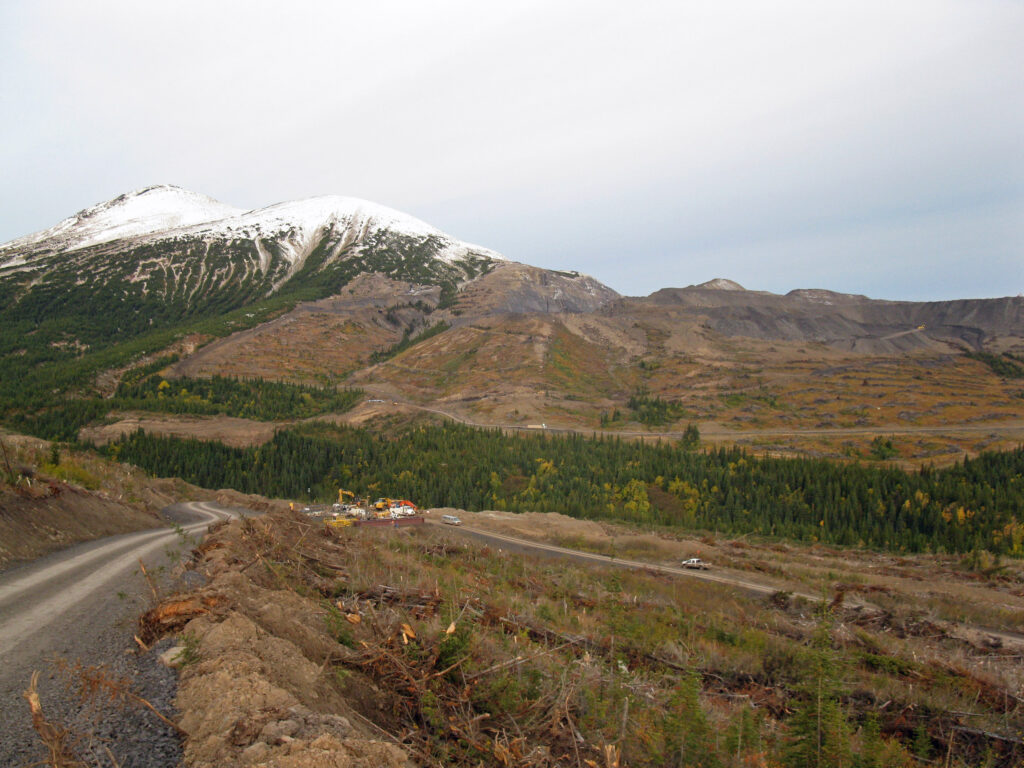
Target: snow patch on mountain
[
  {"x": 822, "y": 296},
  {"x": 168, "y": 212},
  {"x": 308, "y": 220},
  {"x": 135, "y": 214},
  {"x": 721, "y": 284}
]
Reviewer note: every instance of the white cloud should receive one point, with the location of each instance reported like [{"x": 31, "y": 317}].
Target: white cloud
[{"x": 543, "y": 129}]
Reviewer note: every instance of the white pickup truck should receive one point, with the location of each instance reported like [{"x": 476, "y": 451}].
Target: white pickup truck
[{"x": 696, "y": 563}]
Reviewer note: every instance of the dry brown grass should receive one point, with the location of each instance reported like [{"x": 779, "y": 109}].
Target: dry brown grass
[{"x": 548, "y": 652}]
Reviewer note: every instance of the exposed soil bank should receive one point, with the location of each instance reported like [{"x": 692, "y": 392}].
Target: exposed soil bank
[
  {"x": 51, "y": 516},
  {"x": 257, "y": 689}
]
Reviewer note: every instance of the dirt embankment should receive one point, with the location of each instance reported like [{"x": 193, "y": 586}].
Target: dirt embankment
[
  {"x": 257, "y": 689},
  {"x": 54, "y": 515},
  {"x": 45, "y": 507}
]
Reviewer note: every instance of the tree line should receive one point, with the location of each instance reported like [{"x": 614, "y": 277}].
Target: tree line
[
  {"x": 976, "y": 504},
  {"x": 258, "y": 399}
]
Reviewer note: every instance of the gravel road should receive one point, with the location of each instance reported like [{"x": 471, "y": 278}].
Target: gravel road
[
  {"x": 80, "y": 605},
  {"x": 1007, "y": 638}
]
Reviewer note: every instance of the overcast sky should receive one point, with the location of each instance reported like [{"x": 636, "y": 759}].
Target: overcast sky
[{"x": 865, "y": 147}]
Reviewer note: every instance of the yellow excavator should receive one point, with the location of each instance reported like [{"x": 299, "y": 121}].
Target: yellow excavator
[
  {"x": 382, "y": 508},
  {"x": 341, "y": 522}
]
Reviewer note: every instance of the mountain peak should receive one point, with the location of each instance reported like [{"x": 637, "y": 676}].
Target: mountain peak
[
  {"x": 141, "y": 212},
  {"x": 326, "y": 209},
  {"x": 720, "y": 284},
  {"x": 165, "y": 241},
  {"x": 165, "y": 210}
]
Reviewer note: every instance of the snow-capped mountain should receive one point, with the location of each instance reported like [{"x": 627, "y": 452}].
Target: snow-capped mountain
[
  {"x": 152, "y": 259},
  {"x": 154, "y": 209},
  {"x": 169, "y": 213},
  {"x": 155, "y": 256}
]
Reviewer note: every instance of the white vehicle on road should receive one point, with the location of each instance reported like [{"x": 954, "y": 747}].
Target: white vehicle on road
[{"x": 695, "y": 563}]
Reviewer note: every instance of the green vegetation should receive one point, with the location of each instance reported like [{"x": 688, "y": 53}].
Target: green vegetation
[
  {"x": 973, "y": 505},
  {"x": 654, "y": 411},
  {"x": 249, "y": 398},
  {"x": 189, "y": 649},
  {"x": 1007, "y": 365},
  {"x": 142, "y": 372},
  {"x": 65, "y": 321},
  {"x": 72, "y": 473},
  {"x": 61, "y": 419},
  {"x": 882, "y": 448},
  {"x": 50, "y": 392},
  {"x": 737, "y": 399},
  {"x": 491, "y": 659},
  {"x": 408, "y": 341}
]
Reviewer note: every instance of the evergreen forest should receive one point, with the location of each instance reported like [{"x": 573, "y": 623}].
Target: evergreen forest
[
  {"x": 64, "y": 323},
  {"x": 977, "y": 504},
  {"x": 257, "y": 399}
]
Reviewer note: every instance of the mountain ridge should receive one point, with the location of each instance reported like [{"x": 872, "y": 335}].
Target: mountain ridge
[
  {"x": 166, "y": 210},
  {"x": 335, "y": 290},
  {"x": 170, "y": 212},
  {"x": 155, "y": 257}
]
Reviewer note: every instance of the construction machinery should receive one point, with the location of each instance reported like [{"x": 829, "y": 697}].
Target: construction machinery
[
  {"x": 404, "y": 508},
  {"x": 352, "y": 510},
  {"x": 382, "y": 508}
]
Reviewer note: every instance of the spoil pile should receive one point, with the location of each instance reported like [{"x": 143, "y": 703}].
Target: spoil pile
[
  {"x": 255, "y": 685},
  {"x": 297, "y": 653}
]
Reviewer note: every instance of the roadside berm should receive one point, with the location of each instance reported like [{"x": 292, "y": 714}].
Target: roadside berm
[
  {"x": 316, "y": 646},
  {"x": 311, "y": 645},
  {"x": 256, "y": 686}
]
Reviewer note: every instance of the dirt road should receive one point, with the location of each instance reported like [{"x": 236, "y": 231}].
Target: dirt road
[
  {"x": 715, "y": 432},
  {"x": 515, "y": 543},
  {"x": 79, "y": 604},
  {"x": 962, "y": 631}
]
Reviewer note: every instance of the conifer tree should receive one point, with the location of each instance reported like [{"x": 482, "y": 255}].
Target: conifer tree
[
  {"x": 819, "y": 735},
  {"x": 688, "y": 742},
  {"x": 870, "y": 744}
]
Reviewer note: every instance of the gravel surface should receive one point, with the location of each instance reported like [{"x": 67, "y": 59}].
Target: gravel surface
[
  {"x": 132, "y": 733},
  {"x": 98, "y": 633}
]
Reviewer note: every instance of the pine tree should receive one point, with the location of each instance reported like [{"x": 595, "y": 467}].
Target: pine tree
[
  {"x": 870, "y": 744},
  {"x": 819, "y": 735},
  {"x": 922, "y": 741},
  {"x": 743, "y": 736},
  {"x": 688, "y": 742}
]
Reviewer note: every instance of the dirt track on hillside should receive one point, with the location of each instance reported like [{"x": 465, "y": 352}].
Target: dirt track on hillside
[
  {"x": 245, "y": 432},
  {"x": 596, "y": 543}
]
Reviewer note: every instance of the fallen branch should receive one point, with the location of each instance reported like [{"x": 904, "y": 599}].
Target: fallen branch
[
  {"x": 149, "y": 580},
  {"x": 95, "y": 680},
  {"x": 988, "y": 735},
  {"x": 54, "y": 737}
]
